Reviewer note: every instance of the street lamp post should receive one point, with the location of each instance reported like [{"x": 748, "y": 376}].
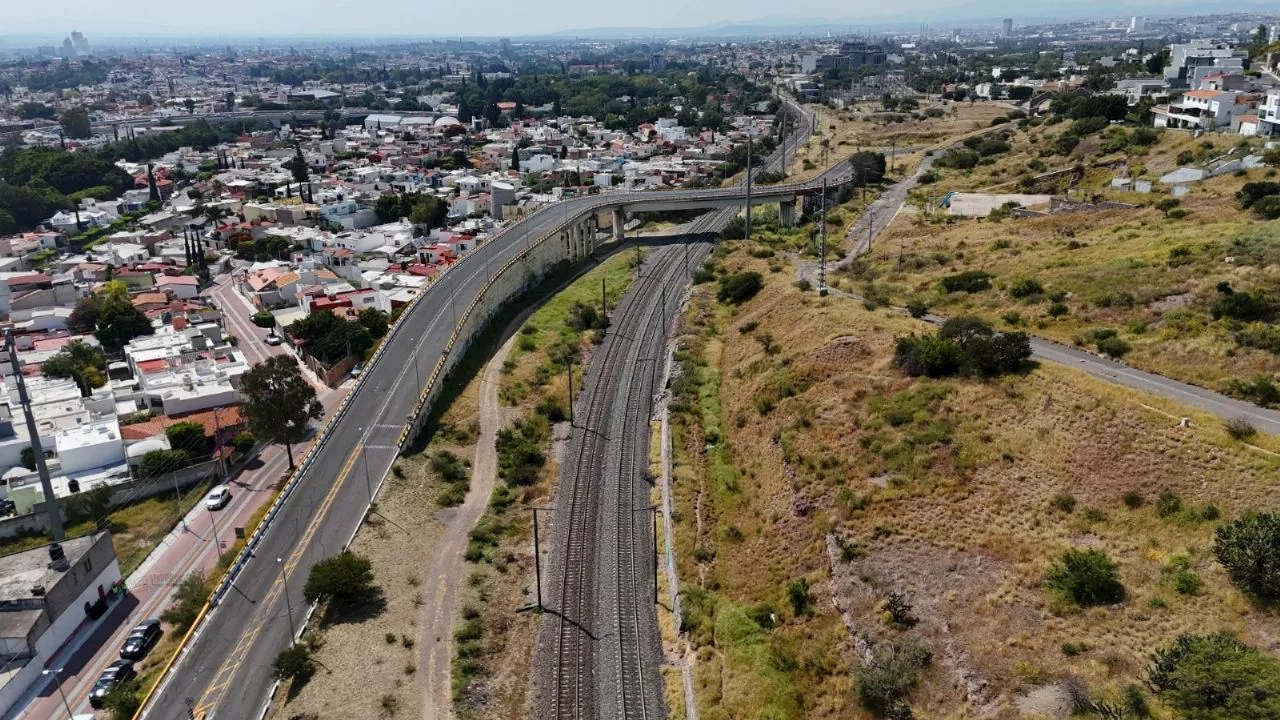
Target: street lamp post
[
  {"x": 284, "y": 577},
  {"x": 57, "y": 680},
  {"x": 213, "y": 522}
]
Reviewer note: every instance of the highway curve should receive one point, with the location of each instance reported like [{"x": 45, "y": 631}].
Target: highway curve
[{"x": 224, "y": 670}]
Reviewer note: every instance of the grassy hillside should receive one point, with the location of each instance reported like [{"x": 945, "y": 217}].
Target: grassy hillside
[{"x": 844, "y": 529}]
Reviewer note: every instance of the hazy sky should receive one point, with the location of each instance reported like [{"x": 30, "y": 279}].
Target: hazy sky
[{"x": 274, "y": 18}]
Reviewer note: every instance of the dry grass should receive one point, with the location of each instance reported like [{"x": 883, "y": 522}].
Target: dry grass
[
  {"x": 952, "y": 506},
  {"x": 359, "y": 667},
  {"x": 1150, "y": 278}
]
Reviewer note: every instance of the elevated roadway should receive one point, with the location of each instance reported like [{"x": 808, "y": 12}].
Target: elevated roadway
[{"x": 224, "y": 667}]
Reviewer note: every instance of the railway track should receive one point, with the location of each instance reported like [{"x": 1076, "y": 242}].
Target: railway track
[{"x": 606, "y": 647}]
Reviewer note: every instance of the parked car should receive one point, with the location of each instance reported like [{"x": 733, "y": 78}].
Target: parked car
[
  {"x": 217, "y": 498},
  {"x": 8, "y": 507},
  {"x": 274, "y": 339},
  {"x": 357, "y": 370},
  {"x": 116, "y": 674},
  {"x": 140, "y": 639}
]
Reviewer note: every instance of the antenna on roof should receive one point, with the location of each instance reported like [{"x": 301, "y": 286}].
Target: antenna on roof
[{"x": 56, "y": 533}]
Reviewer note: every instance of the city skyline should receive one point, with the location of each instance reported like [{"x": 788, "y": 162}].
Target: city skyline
[{"x": 406, "y": 19}]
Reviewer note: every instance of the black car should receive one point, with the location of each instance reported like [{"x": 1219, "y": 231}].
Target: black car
[
  {"x": 140, "y": 640},
  {"x": 116, "y": 673}
]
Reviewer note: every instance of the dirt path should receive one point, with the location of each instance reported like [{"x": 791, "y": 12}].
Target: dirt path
[{"x": 441, "y": 588}]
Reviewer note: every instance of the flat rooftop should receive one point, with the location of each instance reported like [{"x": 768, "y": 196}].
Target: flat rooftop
[{"x": 22, "y": 571}]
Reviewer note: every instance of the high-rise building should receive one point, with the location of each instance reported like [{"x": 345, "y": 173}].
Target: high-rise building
[
  {"x": 1137, "y": 24},
  {"x": 1007, "y": 29}
]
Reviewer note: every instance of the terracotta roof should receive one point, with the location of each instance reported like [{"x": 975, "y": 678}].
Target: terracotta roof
[
  {"x": 1205, "y": 94},
  {"x": 150, "y": 299},
  {"x": 226, "y": 417},
  {"x": 177, "y": 280},
  {"x": 29, "y": 280}
]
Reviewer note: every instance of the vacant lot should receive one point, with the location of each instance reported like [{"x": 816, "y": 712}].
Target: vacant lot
[{"x": 814, "y": 479}]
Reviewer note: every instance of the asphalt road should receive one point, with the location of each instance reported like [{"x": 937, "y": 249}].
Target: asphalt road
[{"x": 225, "y": 671}]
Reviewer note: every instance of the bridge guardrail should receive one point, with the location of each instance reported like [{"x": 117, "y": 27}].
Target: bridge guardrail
[{"x": 323, "y": 434}]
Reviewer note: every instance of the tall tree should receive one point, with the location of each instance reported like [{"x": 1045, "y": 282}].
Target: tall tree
[
  {"x": 80, "y": 361},
  {"x": 75, "y": 122},
  {"x": 279, "y": 403},
  {"x": 118, "y": 320},
  {"x": 151, "y": 183},
  {"x": 190, "y": 105},
  {"x": 298, "y": 166}
]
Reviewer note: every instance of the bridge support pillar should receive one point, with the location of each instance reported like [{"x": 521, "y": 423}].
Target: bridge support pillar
[
  {"x": 787, "y": 214},
  {"x": 619, "y": 224}
]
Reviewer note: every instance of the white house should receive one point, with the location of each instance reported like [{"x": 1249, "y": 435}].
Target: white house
[
  {"x": 1200, "y": 110},
  {"x": 182, "y": 287}
]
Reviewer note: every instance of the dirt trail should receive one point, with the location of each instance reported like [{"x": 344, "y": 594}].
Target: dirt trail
[{"x": 441, "y": 587}]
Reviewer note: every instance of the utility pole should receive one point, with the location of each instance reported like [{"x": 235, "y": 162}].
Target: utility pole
[
  {"x": 284, "y": 578},
  {"x": 537, "y": 555},
  {"x": 748, "y": 222},
  {"x": 56, "y": 532},
  {"x": 364, "y": 456},
  {"x": 893, "y": 151},
  {"x": 569, "y": 373},
  {"x": 871, "y": 219},
  {"x": 604, "y": 299},
  {"x": 213, "y": 522},
  {"x": 822, "y": 261}
]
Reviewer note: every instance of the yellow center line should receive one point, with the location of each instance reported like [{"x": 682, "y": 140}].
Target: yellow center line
[{"x": 212, "y": 696}]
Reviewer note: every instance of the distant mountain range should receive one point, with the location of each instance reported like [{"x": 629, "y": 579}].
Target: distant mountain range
[{"x": 970, "y": 14}]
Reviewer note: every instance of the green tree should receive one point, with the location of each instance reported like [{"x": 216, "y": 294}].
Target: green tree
[
  {"x": 79, "y": 360},
  {"x": 188, "y": 436},
  {"x": 279, "y": 403},
  {"x": 124, "y": 701},
  {"x": 375, "y": 321},
  {"x": 1216, "y": 677},
  {"x": 32, "y": 110},
  {"x": 346, "y": 579},
  {"x": 190, "y": 596},
  {"x": 190, "y": 105},
  {"x": 162, "y": 462},
  {"x": 118, "y": 320},
  {"x": 1249, "y": 549},
  {"x": 1085, "y": 577},
  {"x": 298, "y": 166},
  {"x": 146, "y": 99},
  {"x": 294, "y": 663},
  {"x": 75, "y": 122}
]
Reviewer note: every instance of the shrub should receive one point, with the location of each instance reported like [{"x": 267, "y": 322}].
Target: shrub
[
  {"x": 883, "y": 681},
  {"x": 1085, "y": 577},
  {"x": 1089, "y": 125},
  {"x": 804, "y": 285},
  {"x": 1058, "y": 309},
  {"x": 917, "y": 308},
  {"x": 520, "y": 457},
  {"x": 1267, "y": 208},
  {"x": 1240, "y": 429},
  {"x": 970, "y": 281},
  {"x": 244, "y": 442},
  {"x": 1026, "y": 287},
  {"x": 159, "y": 462},
  {"x": 1214, "y": 677},
  {"x": 192, "y": 593},
  {"x": 740, "y": 287},
  {"x": 188, "y": 436},
  {"x": 294, "y": 663},
  {"x": 1168, "y": 504},
  {"x": 965, "y": 345},
  {"x": 1249, "y": 549},
  {"x": 1114, "y": 347},
  {"x": 1240, "y": 305},
  {"x": 1252, "y": 192},
  {"x": 1133, "y": 500},
  {"x": 900, "y": 611},
  {"x": 1144, "y": 136},
  {"x": 1187, "y": 582},
  {"x": 263, "y": 319},
  {"x": 346, "y": 579},
  {"x": 800, "y": 597},
  {"x": 1262, "y": 390},
  {"x": 959, "y": 159},
  {"x": 1064, "y": 502}
]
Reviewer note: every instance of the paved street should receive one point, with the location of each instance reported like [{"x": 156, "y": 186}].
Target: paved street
[{"x": 182, "y": 552}]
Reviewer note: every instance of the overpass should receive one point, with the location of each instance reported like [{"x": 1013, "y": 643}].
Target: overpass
[
  {"x": 275, "y": 117},
  {"x": 222, "y": 669}
]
